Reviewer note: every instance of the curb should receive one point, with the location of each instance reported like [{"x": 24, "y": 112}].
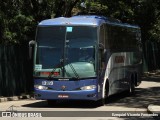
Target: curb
[
  {"x": 14, "y": 98},
  {"x": 154, "y": 109}
]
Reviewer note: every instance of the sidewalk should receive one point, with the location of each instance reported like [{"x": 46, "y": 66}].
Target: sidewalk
[
  {"x": 154, "y": 109},
  {"x": 14, "y": 98}
]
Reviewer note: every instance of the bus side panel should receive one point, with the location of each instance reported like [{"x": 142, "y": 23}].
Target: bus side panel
[{"x": 119, "y": 69}]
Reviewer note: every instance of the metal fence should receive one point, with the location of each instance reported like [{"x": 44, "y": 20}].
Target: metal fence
[
  {"x": 15, "y": 70},
  {"x": 151, "y": 56}
]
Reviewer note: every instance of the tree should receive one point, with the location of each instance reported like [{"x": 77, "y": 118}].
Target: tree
[
  {"x": 64, "y": 7},
  {"x": 155, "y": 28},
  {"x": 13, "y": 13},
  {"x": 18, "y": 22},
  {"x": 16, "y": 26},
  {"x": 155, "y": 31}
]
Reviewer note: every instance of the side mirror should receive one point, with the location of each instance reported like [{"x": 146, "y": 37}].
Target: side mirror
[
  {"x": 101, "y": 46},
  {"x": 31, "y": 45}
]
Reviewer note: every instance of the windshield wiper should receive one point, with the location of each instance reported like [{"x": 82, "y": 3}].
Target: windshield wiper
[
  {"x": 54, "y": 69},
  {"x": 59, "y": 65},
  {"x": 74, "y": 71},
  {"x": 52, "y": 72}
]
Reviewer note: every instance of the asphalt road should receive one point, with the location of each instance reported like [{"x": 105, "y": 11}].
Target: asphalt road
[{"x": 117, "y": 105}]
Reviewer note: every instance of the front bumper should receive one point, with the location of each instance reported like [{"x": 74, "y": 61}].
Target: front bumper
[{"x": 68, "y": 95}]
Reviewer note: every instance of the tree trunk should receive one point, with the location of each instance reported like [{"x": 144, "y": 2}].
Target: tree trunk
[{"x": 70, "y": 7}]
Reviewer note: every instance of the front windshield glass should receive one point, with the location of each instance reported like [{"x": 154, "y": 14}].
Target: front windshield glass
[{"x": 66, "y": 52}]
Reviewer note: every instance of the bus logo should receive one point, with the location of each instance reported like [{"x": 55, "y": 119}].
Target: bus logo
[{"x": 63, "y": 88}]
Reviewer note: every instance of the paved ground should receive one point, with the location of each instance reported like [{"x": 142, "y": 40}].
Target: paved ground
[{"x": 154, "y": 106}]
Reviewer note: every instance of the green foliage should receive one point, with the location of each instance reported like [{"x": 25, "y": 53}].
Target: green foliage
[
  {"x": 98, "y": 8},
  {"x": 18, "y": 29},
  {"x": 141, "y": 12},
  {"x": 155, "y": 31},
  {"x": 16, "y": 26},
  {"x": 64, "y": 7},
  {"x": 19, "y": 18},
  {"x": 120, "y": 9}
]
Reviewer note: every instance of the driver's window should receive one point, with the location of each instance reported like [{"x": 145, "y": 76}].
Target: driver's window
[{"x": 86, "y": 55}]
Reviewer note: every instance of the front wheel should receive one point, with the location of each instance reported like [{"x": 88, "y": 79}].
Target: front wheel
[
  {"x": 102, "y": 101},
  {"x": 51, "y": 102}
]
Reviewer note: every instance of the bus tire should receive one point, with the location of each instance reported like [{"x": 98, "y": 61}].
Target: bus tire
[
  {"x": 51, "y": 102},
  {"x": 102, "y": 101},
  {"x": 136, "y": 79},
  {"x": 132, "y": 86}
]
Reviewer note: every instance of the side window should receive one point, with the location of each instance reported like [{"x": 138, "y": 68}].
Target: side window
[
  {"x": 102, "y": 35},
  {"x": 102, "y": 42}
]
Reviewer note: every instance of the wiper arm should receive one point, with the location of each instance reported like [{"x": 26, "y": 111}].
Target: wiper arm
[
  {"x": 50, "y": 75},
  {"x": 54, "y": 69}
]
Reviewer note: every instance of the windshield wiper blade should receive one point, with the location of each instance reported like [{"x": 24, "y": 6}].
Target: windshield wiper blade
[{"x": 74, "y": 71}]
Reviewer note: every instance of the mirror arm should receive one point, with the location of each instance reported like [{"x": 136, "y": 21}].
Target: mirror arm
[{"x": 31, "y": 45}]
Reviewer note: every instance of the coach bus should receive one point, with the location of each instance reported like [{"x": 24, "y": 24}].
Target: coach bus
[{"x": 85, "y": 58}]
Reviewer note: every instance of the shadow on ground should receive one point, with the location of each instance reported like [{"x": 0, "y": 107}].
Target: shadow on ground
[
  {"x": 142, "y": 97},
  {"x": 151, "y": 78},
  {"x": 63, "y": 104}
]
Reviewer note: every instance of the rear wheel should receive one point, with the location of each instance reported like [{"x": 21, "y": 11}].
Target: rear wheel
[{"x": 132, "y": 86}]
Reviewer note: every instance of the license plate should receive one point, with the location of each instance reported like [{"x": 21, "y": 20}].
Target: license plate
[{"x": 63, "y": 96}]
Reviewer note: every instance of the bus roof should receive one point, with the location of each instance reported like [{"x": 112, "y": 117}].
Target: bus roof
[{"x": 86, "y": 20}]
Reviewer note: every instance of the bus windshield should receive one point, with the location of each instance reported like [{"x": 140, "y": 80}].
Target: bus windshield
[{"x": 66, "y": 52}]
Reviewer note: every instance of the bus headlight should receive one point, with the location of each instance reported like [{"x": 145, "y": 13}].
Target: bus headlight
[
  {"x": 40, "y": 87},
  {"x": 90, "y": 87}
]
